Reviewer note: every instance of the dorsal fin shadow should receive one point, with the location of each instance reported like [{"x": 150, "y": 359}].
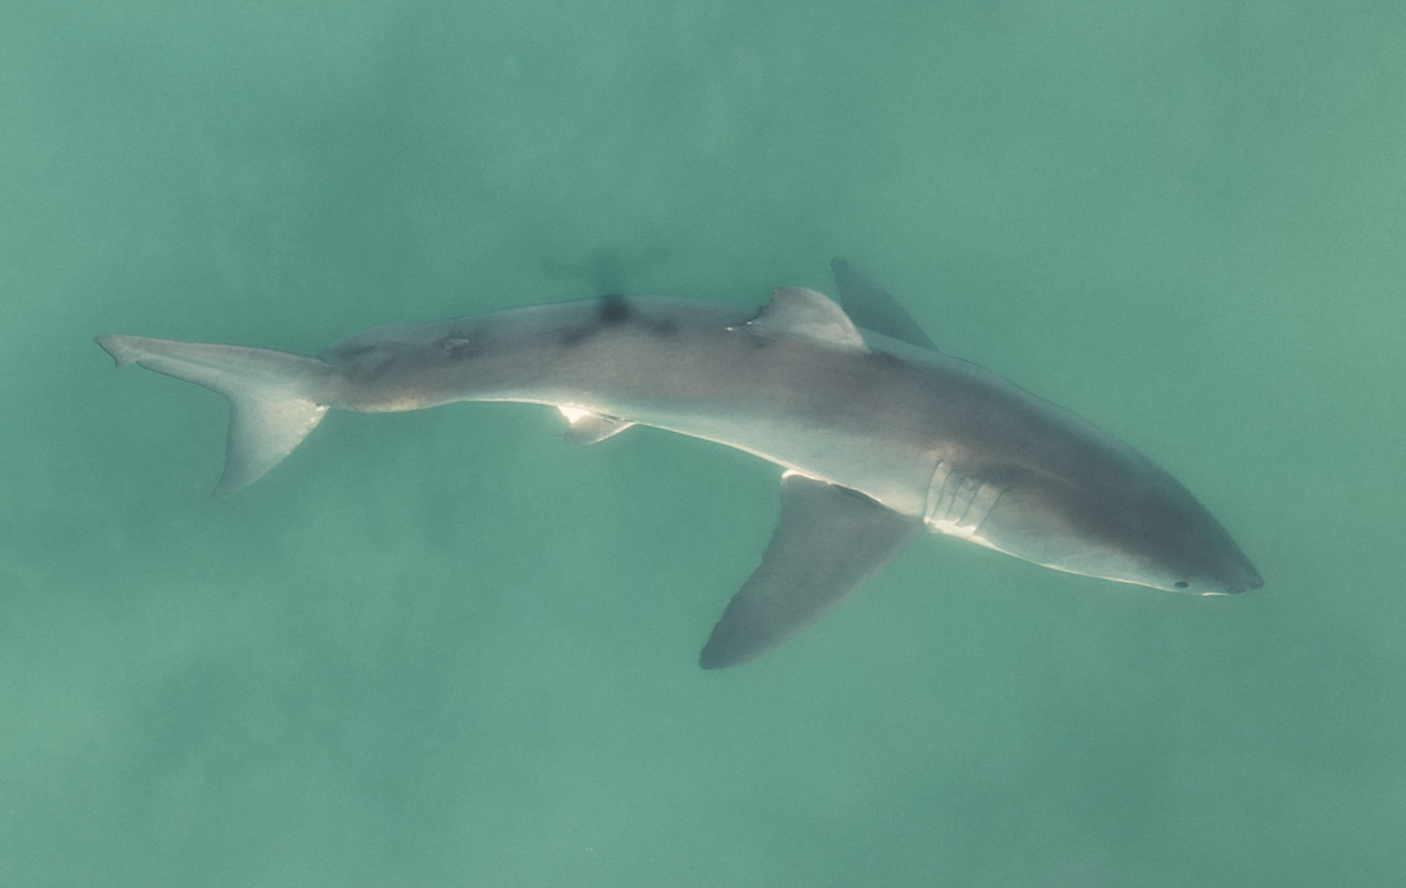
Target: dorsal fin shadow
[{"x": 870, "y": 306}]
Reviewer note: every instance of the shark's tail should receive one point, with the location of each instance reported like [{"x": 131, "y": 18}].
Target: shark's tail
[{"x": 275, "y": 398}]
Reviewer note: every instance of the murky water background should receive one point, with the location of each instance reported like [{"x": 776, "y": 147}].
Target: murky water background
[{"x": 445, "y": 649}]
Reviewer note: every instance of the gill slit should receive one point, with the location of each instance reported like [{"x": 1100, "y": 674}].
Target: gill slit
[{"x": 956, "y": 504}]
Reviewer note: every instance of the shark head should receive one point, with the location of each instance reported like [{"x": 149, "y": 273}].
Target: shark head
[
  {"x": 1161, "y": 536},
  {"x": 1134, "y": 523}
]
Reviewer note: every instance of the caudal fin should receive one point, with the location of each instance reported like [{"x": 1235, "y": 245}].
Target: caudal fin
[{"x": 275, "y": 398}]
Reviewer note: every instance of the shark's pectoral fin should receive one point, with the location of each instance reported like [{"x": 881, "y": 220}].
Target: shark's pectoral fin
[
  {"x": 584, "y": 427},
  {"x": 829, "y": 541},
  {"x": 871, "y": 306}
]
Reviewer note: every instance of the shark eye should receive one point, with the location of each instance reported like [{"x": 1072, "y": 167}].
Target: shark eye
[{"x": 1181, "y": 584}]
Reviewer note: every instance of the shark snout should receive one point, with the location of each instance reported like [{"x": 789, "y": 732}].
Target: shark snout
[
  {"x": 1235, "y": 576},
  {"x": 1249, "y": 580}
]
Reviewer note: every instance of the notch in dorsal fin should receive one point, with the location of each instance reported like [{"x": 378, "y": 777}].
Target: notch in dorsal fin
[
  {"x": 584, "y": 427},
  {"x": 872, "y": 308},
  {"x": 796, "y": 311}
]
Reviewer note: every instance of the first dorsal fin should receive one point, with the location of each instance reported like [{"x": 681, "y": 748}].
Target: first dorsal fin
[{"x": 797, "y": 311}]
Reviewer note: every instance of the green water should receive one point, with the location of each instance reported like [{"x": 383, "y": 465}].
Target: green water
[{"x": 444, "y": 649}]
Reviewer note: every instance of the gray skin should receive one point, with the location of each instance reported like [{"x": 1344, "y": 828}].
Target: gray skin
[
  {"x": 881, "y": 436},
  {"x": 924, "y": 434}
]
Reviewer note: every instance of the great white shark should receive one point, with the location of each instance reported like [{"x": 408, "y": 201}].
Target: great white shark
[{"x": 881, "y": 437}]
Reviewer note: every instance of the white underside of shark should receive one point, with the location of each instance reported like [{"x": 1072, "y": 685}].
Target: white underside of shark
[{"x": 880, "y": 436}]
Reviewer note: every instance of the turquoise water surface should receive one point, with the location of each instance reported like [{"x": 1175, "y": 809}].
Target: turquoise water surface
[{"x": 444, "y": 649}]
